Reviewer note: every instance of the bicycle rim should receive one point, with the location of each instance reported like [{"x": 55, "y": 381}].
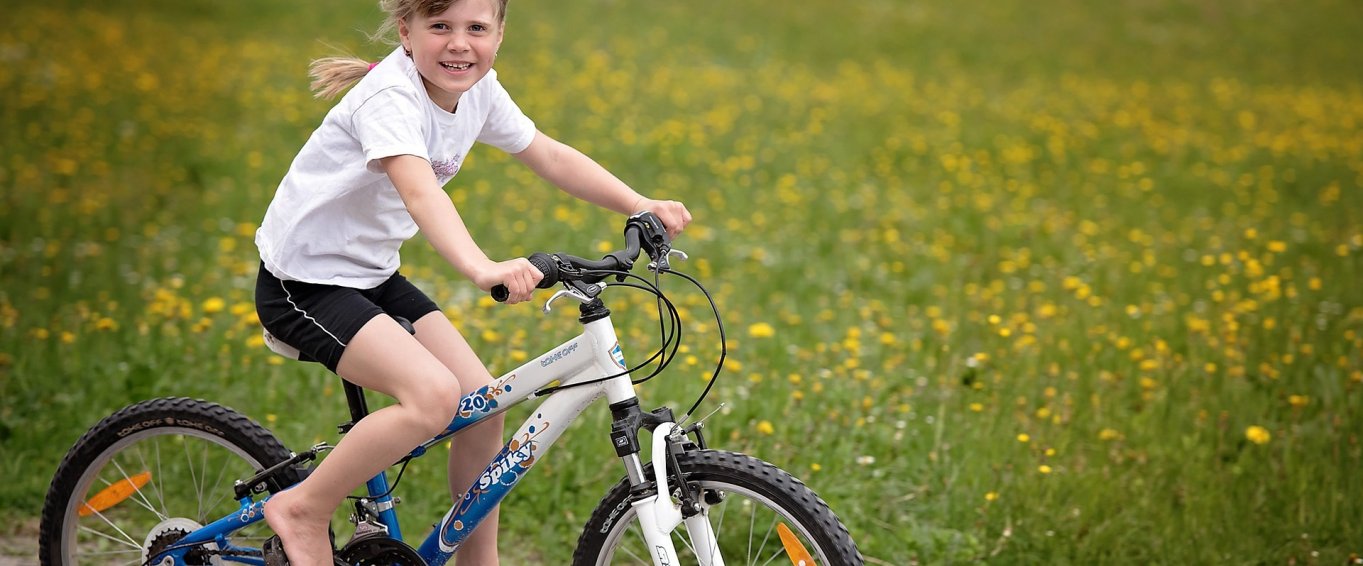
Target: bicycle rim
[
  {"x": 747, "y": 526},
  {"x": 151, "y": 488}
]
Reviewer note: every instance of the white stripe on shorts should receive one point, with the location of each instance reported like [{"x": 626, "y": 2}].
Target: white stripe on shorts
[{"x": 289, "y": 297}]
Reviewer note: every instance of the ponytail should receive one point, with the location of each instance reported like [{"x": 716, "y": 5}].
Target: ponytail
[{"x": 333, "y": 75}]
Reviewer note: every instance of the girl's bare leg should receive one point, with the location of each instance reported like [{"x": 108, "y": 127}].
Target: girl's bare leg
[
  {"x": 382, "y": 357},
  {"x": 472, "y": 451}
]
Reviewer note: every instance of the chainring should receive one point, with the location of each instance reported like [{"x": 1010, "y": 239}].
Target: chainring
[
  {"x": 378, "y": 549},
  {"x": 165, "y": 535}
]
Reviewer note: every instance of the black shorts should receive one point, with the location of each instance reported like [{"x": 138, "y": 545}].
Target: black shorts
[{"x": 319, "y": 320}]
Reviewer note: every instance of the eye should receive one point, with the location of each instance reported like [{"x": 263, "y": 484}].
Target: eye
[
  {"x": 477, "y": 28},
  {"x": 440, "y": 26}
]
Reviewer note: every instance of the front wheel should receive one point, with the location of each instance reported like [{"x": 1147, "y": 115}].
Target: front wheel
[
  {"x": 150, "y": 474},
  {"x": 759, "y": 513}
]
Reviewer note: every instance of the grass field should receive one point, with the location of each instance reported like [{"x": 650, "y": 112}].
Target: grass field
[{"x": 1007, "y": 282}]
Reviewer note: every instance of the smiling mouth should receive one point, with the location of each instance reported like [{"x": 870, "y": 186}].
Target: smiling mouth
[{"x": 456, "y": 66}]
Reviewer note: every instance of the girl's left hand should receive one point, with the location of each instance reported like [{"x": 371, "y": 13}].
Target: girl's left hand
[{"x": 674, "y": 215}]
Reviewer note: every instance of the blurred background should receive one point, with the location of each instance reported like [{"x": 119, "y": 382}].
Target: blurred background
[{"x": 1017, "y": 282}]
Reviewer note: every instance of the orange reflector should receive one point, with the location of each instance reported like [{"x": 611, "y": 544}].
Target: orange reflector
[
  {"x": 114, "y": 494},
  {"x": 796, "y": 551}
]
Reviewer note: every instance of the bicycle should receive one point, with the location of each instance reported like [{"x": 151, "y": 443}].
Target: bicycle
[{"x": 112, "y": 496}]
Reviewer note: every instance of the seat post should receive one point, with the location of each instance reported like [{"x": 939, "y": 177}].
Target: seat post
[
  {"x": 354, "y": 394},
  {"x": 359, "y": 407}
]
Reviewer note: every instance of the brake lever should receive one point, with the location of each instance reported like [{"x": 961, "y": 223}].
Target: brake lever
[
  {"x": 582, "y": 294},
  {"x": 664, "y": 263}
]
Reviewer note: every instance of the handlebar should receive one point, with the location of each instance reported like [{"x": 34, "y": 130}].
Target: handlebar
[{"x": 643, "y": 232}]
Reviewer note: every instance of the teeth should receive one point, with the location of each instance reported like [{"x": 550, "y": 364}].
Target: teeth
[{"x": 456, "y": 66}]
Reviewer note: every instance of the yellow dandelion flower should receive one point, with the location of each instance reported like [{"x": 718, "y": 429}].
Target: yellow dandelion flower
[
  {"x": 1258, "y": 435},
  {"x": 1277, "y": 246},
  {"x": 1108, "y": 434},
  {"x": 991, "y": 496},
  {"x": 104, "y": 323},
  {"x": 976, "y": 407},
  {"x": 815, "y": 467},
  {"x": 765, "y": 427},
  {"x": 941, "y": 327},
  {"x": 1044, "y": 469},
  {"x": 246, "y": 230},
  {"x": 1024, "y": 438},
  {"x": 1298, "y": 400},
  {"x": 214, "y": 305},
  {"x": 761, "y": 330}
]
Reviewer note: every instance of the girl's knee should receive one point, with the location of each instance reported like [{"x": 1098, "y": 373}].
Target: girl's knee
[{"x": 435, "y": 403}]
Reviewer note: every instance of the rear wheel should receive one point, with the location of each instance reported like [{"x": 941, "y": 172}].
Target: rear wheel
[
  {"x": 148, "y": 475},
  {"x": 759, "y": 513}
]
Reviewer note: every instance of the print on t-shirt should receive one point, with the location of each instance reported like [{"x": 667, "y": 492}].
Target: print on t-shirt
[{"x": 445, "y": 169}]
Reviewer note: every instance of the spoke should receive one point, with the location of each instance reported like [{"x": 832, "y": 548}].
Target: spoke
[
  {"x": 774, "y": 555},
  {"x": 111, "y": 552},
  {"x": 723, "y": 510},
  {"x": 199, "y": 500},
  {"x": 767, "y": 536},
  {"x": 126, "y": 540},
  {"x": 189, "y": 461},
  {"x": 624, "y": 538},
  {"x": 140, "y": 499},
  {"x": 222, "y": 493},
  {"x": 156, "y": 481},
  {"x": 752, "y": 521},
  {"x": 143, "y": 460},
  {"x": 689, "y": 541}
]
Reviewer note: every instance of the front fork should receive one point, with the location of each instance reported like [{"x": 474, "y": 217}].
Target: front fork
[{"x": 662, "y": 505}]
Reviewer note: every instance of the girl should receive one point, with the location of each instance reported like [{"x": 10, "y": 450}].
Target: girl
[{"x": 368, "y": 178}]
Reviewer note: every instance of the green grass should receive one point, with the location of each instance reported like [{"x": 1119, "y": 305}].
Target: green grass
[{"x": 1129, "y": 231}]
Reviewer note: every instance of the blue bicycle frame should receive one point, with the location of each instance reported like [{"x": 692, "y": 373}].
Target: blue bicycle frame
[{"x": 592, "y": 355}]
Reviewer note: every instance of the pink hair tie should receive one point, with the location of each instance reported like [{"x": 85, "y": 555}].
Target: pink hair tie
[{"x": 371, "y": 66}]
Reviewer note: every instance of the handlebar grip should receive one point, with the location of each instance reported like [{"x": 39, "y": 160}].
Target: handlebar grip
[
  {"x": 545, "y": 263},
  {"x": 500, "y": 293},
  {"x": 542, "y": 262}
]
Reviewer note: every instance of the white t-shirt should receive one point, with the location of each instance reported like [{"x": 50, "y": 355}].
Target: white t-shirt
[{"x": 336, "y": 218}]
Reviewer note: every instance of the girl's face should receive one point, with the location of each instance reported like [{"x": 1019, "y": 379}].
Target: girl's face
[{"x": 454, "y": 49}]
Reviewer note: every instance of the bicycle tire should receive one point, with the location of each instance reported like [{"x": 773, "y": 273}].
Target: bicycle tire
[
  {"x": 148, "y": 466},
  {"x": 764, "y": 490}
]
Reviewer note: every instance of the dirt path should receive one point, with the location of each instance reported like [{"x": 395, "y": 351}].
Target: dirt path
[{"x": 19, "y": 544}]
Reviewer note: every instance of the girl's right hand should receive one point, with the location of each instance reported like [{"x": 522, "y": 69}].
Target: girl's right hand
[{"x": 519, "y": 276}]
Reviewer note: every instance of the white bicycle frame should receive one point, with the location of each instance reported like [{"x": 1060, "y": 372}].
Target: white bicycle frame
[{"x": 593, "y": 355}]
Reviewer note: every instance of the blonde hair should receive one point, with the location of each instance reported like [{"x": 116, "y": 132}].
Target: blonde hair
[{"x": 333, "y": 75}]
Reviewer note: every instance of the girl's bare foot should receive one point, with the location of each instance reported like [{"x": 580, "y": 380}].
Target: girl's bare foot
[{"x": 302, "y": 530}]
